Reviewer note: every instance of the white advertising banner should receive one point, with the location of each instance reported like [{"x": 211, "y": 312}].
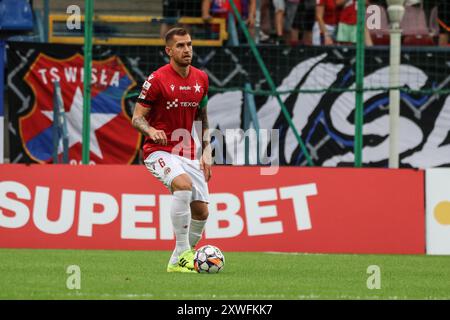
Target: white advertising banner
[{"x": 438, "y": 211}]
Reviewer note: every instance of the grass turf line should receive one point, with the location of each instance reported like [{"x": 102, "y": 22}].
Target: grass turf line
[{"x": 41, "y": 274}]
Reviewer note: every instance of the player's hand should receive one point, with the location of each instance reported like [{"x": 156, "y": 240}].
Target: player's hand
[
  {"x": 207, "y": 18},
  {"x": 158, "y": 136},
  {"x": 205, "y": 166},
  {"x": 251, "y": 21},
  {"x": 328, "y": 41}
]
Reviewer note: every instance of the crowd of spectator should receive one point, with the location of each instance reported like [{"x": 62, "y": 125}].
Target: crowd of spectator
[{"x": 323, "y": 22}]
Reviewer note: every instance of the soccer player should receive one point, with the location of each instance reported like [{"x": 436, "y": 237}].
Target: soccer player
[{"x": 172, "y": 98}]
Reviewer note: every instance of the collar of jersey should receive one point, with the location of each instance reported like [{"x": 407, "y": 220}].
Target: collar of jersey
[{"x": 174, "y": 71}]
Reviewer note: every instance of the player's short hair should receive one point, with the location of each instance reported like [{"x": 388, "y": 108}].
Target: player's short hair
[{"x": 175, "y": 32}]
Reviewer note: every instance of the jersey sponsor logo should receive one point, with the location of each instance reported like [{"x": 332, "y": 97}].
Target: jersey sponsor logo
[
  {"x": 189, "y": 104},
  {"x": 185, "y": 88},
  {"x": 112, "y": 138},
  {"x": 175, "y": 104},
  {"x": 172, "y": 104}
]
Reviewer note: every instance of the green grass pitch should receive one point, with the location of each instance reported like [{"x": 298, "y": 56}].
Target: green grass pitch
[{"x": 41, "y": 274}]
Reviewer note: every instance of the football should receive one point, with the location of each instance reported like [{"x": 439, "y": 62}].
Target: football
[{"x": 209, "y": 259}]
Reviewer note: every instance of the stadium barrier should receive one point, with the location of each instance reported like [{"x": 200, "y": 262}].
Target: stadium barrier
[
  {"x": 317, "y": 210},
  {"x": 145, "y": 40}
]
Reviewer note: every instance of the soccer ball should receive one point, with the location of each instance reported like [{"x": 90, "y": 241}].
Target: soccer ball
[{"x": 209, "y": 259}]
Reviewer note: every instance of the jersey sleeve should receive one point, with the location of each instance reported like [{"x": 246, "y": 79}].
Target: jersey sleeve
[
  {"x": 205, "y": 76},
  {"x": 204, "y": 102},
  {"x": 150, "y": 92}
]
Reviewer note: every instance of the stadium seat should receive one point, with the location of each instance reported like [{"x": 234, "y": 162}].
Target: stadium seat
[
  {"x": 381, "y": 36},
  {"x": 415, "y": 28},
  {"x": 414, "y": 21},
  {"x": 15, "y": 15},
  {"x": 418, "y": 40},
  {"x": 380, "y": 39}
]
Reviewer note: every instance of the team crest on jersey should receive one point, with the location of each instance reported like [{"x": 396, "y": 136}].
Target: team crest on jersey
[
  {"x": 112, "y": 138},
  {"x": 197, "y": 87}
]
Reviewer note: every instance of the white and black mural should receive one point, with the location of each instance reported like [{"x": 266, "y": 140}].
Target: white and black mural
[{"x": 317, "y": 87}]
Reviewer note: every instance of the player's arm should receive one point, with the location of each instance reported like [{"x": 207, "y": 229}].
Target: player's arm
[
  {"x": 140, "y": 122},
  {"x": 206, "y": 159},
  {"x": 340, "y": 3}
]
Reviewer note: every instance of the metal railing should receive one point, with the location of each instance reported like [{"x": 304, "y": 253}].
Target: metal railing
[
  {"x": 113, "y": 40},
  {"x": 59, "y": 126}
]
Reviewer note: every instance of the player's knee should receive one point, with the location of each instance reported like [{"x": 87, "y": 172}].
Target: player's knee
[
  {"x": 182, "y": 183},
  {"x": 199, "y": 210},
  {"x": 200, "y": 215},
  {"x": 203, "y": 215},
  {"x": 182, "y": 187}
]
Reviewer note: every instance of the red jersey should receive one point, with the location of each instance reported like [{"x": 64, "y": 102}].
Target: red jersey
[
  {"x": 348, "y": 13},
  {"x": 173, "y": 102},
  {"x": 223, "y": 7},
  {"x": 331, "y": 12}
]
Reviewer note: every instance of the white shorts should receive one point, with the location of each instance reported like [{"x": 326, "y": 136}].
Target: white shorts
[
  {"x": 279, "y": 5},
  {"x": 166, "y": 166},
  {"x": 317, "y": 41}
]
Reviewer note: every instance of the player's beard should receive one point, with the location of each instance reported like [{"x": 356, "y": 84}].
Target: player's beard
[{"x": 182, "y": 62}]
